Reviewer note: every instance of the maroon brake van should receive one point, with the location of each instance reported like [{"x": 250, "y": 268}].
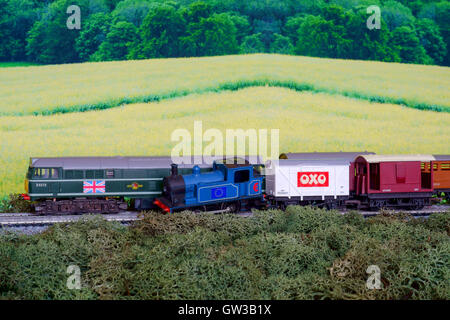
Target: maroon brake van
[{"x": 393, "y": 180}]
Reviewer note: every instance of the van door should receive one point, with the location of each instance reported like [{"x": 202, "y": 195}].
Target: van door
[{"x": 360, "y": 178}]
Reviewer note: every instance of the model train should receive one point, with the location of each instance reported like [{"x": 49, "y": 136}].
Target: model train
[{"x": 331, "y": 180}]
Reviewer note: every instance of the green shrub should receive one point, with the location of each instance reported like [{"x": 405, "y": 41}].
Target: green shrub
[
  {"x": 439, "y": 222},
  {"x": 15, "y": 203},
  {"x": 302, "y": 253}
]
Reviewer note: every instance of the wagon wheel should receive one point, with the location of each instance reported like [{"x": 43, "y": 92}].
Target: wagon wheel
[
  {"x": 380, "y": 204},
  {"x": 232, "y": 207},
  {"x": 282, "y": 206},
  {"x": 376, "y": 205},
  {"x": 417, "y": 204},
  {"x": 331, "y": 205},
  {"x": 200, "y": 209}
]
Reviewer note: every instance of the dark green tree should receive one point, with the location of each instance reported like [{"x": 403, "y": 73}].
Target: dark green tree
[
  {"x": 352, "y": 4},
  {"x": 440, "y": 13},
  {"x": 430, "y": 38},
  {"x": 252, "y": 44},
  {"x": 396, "y": 14},
  {"x": 325, "y": 36},
  {"x": 215, "y": 35},
  {"x": 281, "y": 44},
  {"x": 133, "y": 11},
  {"x": 111, "y": 4},
  {"x": 16, "y": 19},
  {"x": 160, "y": 34},
  {"x": 36, "y": 29},
  {"x": 267, "y": 28},
  {"x": 369, "y": 44},
  {"x": 198, "y": 10},
  {"x": 415, "y": 5},
  {"x": 308, "y": 6},
  {"x": 266, "y": 9},
  {"x": 442, "y": 19},
  {"x": 408, "y": 45},
  {"x": 291, "y": 27},
  {"x": 50, "y": 40},
  {"x": 92, "y": 34},
  {"x": 242, "y": 26},
  {"x": 5, "y": 32},
  {"x": 118, "y": 42}
]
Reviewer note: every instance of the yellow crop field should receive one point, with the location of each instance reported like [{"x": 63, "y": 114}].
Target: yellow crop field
[
  {"x": 307, "y": 122},
  {"x": 25, "y": 90}
]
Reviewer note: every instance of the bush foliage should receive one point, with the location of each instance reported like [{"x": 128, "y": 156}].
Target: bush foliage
[
  {"x": 15, "y": 203},
  {"x": 302, "y": 253},
  {"x": 409, "y": 32}
]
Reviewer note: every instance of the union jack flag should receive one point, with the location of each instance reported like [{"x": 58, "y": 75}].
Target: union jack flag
[{"x": 94, "y": 186}]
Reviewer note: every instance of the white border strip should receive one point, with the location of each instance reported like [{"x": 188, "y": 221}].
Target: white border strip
[
  {"x": 73, "y": 180},
  {"x": 90, "y": 194}
]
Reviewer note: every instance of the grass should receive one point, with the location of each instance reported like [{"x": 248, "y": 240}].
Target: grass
[
  {"x": 307, "y": 122},
  {"x": 17, "y": 64},
  {"x": 298, "y": 254},
  {"x": 93, "y": 86}
]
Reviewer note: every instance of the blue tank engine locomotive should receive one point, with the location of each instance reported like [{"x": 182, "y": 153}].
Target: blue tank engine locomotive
[{"x": 229, "y": 187}]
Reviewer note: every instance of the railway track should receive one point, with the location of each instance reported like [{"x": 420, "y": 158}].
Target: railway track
[
  {"x": 24, "y": 219},
  {"x": 29, "y": 219},
  {"x": 416, "y": 213}
]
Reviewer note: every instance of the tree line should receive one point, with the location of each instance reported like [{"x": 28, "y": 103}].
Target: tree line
[{"x": 411, "y": 31}]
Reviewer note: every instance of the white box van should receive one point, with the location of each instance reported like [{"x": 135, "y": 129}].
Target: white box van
[{"x": 307, "y": 181}]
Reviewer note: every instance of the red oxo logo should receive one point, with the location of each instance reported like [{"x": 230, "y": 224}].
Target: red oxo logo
[{"x": 312, "y": 179}]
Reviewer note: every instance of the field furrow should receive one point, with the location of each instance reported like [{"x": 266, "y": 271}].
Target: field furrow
[
  {"x": 93, "y": 86},
  {"x": 307, "y": 122}
]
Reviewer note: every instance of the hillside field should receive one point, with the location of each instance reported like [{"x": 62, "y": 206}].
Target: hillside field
[
  {"x": 307, "y": 122},
  {"x": 75, "y": 87},
  {"x": 318, "y": 105}
]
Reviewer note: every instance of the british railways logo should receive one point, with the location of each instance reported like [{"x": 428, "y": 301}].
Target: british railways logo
[{"x": 312, "y": 179}]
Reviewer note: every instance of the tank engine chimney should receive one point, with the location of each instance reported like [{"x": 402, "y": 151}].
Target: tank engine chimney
[{"x": 174, "y": 169}]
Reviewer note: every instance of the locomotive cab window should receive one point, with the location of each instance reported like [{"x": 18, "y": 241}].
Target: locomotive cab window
[
  {"x": 46, "y": 173},
  {"x": 241, "y": 176},
  {"x": 53, "y": 173},
  {"x": 41, "y": 173}
]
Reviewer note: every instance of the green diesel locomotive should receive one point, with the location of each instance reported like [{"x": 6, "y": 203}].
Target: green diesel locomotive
[{"x": 70, "y": 185}]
